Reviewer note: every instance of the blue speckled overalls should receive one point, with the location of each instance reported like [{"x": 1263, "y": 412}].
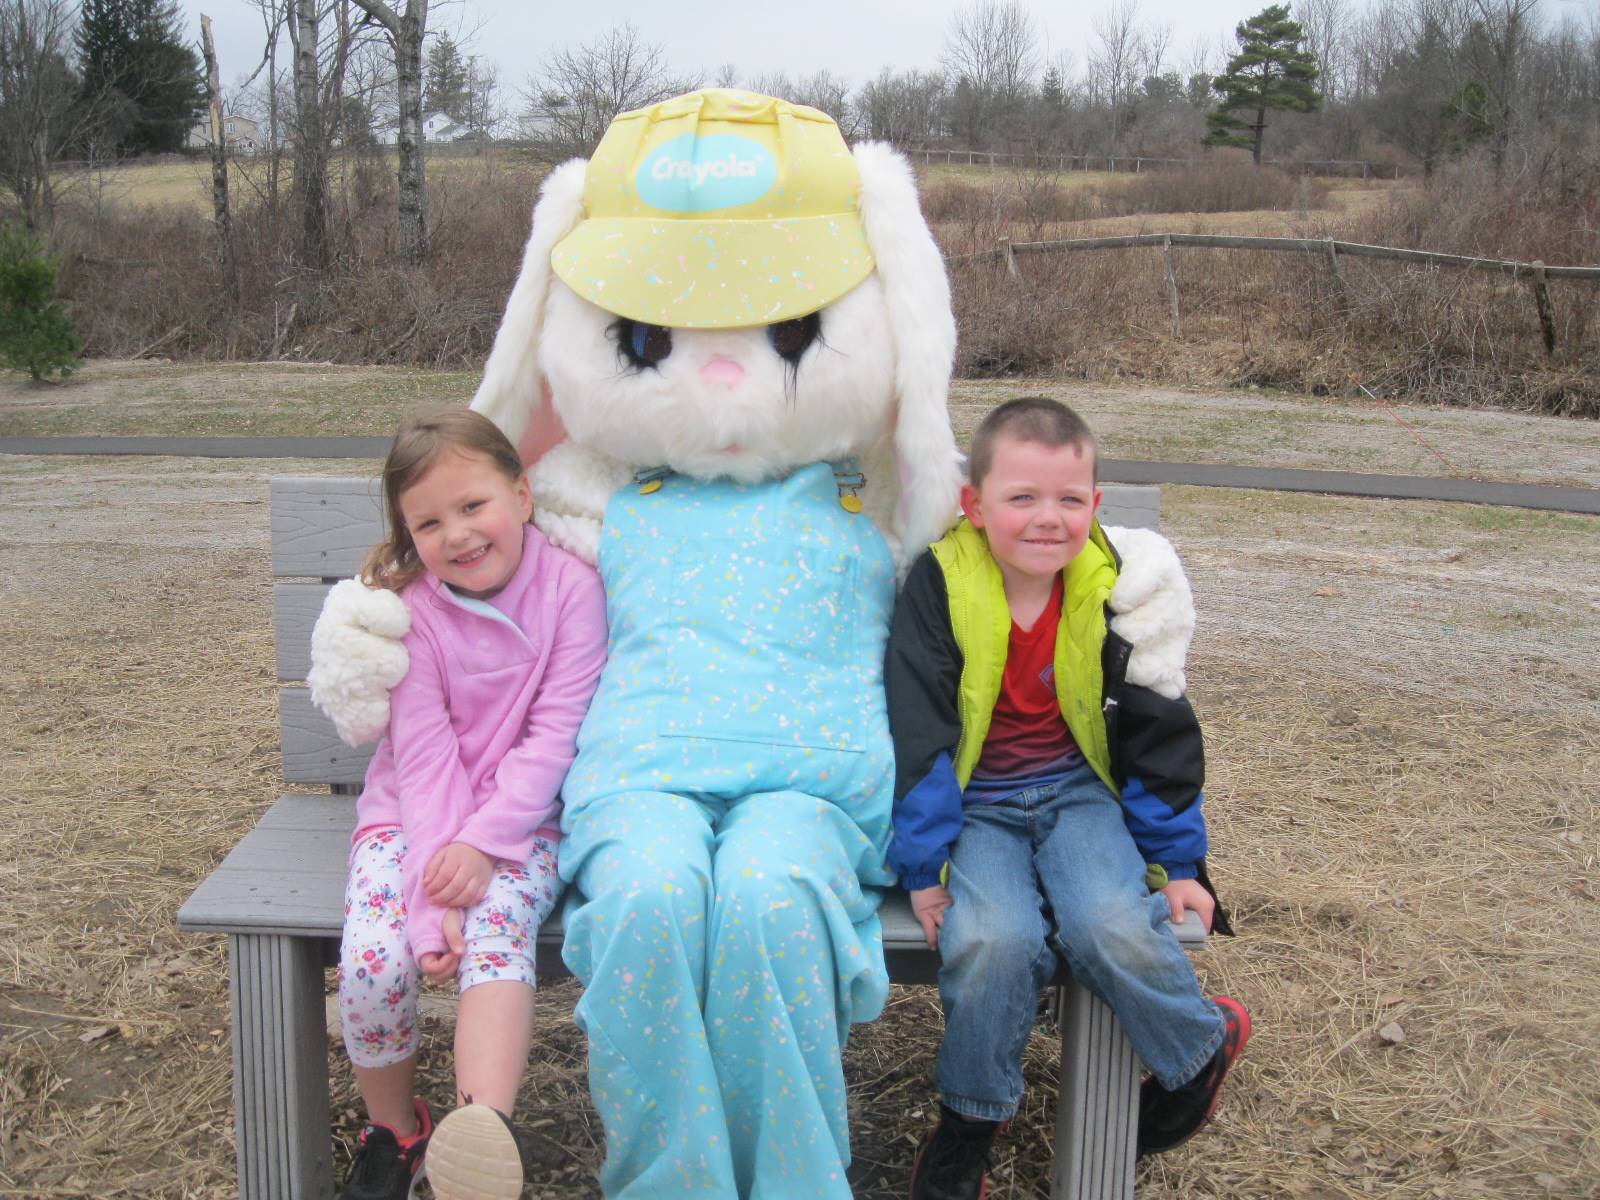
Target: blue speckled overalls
[{"x": 725, "y": 823}]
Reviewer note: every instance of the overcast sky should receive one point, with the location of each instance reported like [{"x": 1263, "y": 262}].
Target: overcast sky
[{"x": 852, "y": 38}]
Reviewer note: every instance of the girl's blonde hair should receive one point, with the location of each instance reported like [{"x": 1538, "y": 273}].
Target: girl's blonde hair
[{"x": 420, "y": 443}]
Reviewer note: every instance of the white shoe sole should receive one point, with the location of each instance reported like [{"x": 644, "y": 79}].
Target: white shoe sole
[{"x": 473, "y": 1156}]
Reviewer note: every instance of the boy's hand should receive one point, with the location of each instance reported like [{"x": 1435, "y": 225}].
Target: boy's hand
[
  {"x": 928, "y": 905},
  {"x": 458, "y": 876},
  {"x": 440, "y": 967},
  {"x": 1188, "y": 893}
]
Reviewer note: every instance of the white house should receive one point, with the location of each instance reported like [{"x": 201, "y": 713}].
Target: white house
[{"x": 436, "y": 127}]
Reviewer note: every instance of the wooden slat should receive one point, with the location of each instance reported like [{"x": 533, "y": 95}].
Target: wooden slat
[
  {"x": 1131, "y": 505},
  {"x": 323, "y": 526},
  {"x": 312, "y": 751},
  {"x": 294, "y": 611}
]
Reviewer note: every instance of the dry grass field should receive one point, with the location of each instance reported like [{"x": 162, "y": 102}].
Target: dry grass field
[
  {"x": 174, "y": 182},
  {"x": 1403, "y": 717}
]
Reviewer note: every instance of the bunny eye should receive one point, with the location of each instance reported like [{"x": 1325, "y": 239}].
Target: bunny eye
[
  {"x": 643, "y": 345},
  {"x": 791, "y": 338}
]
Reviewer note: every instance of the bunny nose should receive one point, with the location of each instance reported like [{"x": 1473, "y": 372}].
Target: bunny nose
[{"x": 722, "y": 370}]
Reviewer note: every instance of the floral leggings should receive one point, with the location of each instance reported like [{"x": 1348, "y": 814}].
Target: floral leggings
[{"x": 378, "y": 976}]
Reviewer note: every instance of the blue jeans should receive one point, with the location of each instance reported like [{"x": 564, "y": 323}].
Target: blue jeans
[{"x": 1053, "y": 871}]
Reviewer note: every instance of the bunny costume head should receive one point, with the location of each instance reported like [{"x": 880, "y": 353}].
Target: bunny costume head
[{"x": 725, "y": 290}]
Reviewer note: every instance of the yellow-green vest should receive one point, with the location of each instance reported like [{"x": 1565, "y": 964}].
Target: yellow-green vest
[{"x": 980, "y": 618}]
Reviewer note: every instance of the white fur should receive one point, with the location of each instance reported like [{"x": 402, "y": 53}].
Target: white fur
[
  {"x": 357, "y": 656},
  {"x": 1154, "y": 610},
  {"x": 510, "y": 390},
  {"x": 835, "y": 404},
  {"x": 571, "y": 486},
  {"x": 922, "y": 324}
]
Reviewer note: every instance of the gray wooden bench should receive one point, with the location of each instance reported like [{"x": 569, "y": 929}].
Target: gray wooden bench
[{"x": 279, "y": 897}]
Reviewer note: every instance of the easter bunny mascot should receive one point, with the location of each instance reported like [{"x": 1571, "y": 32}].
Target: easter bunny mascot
[{"x": 727, "y": 357}]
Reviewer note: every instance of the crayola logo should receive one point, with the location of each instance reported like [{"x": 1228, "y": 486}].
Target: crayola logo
[{"x": 702, "y": 174}]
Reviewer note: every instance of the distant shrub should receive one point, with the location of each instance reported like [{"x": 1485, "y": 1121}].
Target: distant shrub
[
  {"x": 1218, "y": 185},
  {"x": 35, "y": 335},
  {"x": 1032, "y": 199}
]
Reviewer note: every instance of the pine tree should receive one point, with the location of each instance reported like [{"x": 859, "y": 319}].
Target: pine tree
[
  {"x": 1271, "y": 70},
  {"x": 444, "y": 80},
  {"x": 139, "y": 70},
  {"x": 35, "y": 335},
  {"x": 170, "y": 88}
]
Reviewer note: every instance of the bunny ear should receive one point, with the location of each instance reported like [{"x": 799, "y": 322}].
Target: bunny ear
[
  {"x": 923, "y": 329},
  {"x": 512, "y": 393}
]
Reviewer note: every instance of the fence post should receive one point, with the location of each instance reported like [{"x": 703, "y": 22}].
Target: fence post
[
  {"x": 1011, "y": 257},
  {"x": 1172, "y": 280},
  {"x": 1333, "y": 275},
  {"x": 1541, "y": 300}
]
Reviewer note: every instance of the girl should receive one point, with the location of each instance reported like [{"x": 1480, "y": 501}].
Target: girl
[{"x": 454, "y": 860}]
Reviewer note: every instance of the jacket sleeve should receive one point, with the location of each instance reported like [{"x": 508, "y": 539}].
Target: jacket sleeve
[
  {"x": 527, "y": 783},
  {"x": 1160, "y": 760},
  {"x": 435, "y": 793},
  {"x": 922, "y": 676}
]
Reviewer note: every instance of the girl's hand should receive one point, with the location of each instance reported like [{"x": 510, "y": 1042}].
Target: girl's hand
[
  {"x": 440, "y": 967},
  {"x": 928, "y": 905},
  {"x": 458, "y": 876},
  {"x": 1188, "y": 893}
]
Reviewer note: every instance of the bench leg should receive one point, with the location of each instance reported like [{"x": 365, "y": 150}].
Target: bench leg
[
  {"x": 280, "y": 1068},
  {"x": 1097, "y": 1113}
]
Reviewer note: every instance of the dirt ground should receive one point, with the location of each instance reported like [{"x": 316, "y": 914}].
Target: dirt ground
[{"x": 1402, "y": 703}]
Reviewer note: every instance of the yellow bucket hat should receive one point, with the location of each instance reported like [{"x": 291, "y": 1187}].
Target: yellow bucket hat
[{"x": 717, "y": 209}]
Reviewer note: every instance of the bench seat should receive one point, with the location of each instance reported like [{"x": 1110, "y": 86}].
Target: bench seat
[{"x": 279, "y": 898}]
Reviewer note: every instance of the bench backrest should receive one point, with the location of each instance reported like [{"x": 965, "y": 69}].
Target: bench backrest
[{"x": 322, "y": 528}]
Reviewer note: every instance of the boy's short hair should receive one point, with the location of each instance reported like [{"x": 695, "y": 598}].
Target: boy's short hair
[{"x": 1029, "y": 419}]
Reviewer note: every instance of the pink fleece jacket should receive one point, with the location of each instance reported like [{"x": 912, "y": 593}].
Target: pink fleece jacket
[{"x": 483, "y": 727}]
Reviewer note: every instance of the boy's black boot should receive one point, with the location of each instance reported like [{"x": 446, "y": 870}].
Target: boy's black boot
[
  {"x": 1169, "y": 1118},
  {"x": 953, "y": 1162}
]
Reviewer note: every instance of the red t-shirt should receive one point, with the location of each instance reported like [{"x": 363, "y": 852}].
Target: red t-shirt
[{"x": 1028, "y": 737}]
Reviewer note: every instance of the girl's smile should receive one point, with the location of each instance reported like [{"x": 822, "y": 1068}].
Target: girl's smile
[{"x": 465, "y": 517}]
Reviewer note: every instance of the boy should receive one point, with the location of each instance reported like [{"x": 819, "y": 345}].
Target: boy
[{"x": 1044, "y": 806}]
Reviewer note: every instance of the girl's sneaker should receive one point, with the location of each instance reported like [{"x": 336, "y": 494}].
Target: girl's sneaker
[
  {"x": 385, "y": 1167},
  {"x": 1170, "y": 1118},
  {"x": 475, "y": 1154}
]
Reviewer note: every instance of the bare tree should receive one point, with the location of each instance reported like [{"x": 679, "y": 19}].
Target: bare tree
[
  {"x": 248, "y": 96},
  {"x": 1496, "y": 44},
  {"x": 481, "y": 110},
  {"x": 906, "y": 109},
  {"x": 991, "y": 53},
  {"x": 219, "y": 167},
  {"x": 1420, "y": 84},
  {"x": 310, "y": 138},
  {"x": 1118, "y": 62},
  {"x": 405, "y": 30},
  {"x": 824, "y": 91},
  {"x": 582, "y": 88},
  {"x": 1327, "y": 28},
  {"x": 40, "y": 112}
]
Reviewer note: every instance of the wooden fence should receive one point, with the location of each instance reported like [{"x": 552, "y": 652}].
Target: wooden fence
[
  {"x": 1138, "y": 163},
  {"x": 1536, "y": 272}
]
